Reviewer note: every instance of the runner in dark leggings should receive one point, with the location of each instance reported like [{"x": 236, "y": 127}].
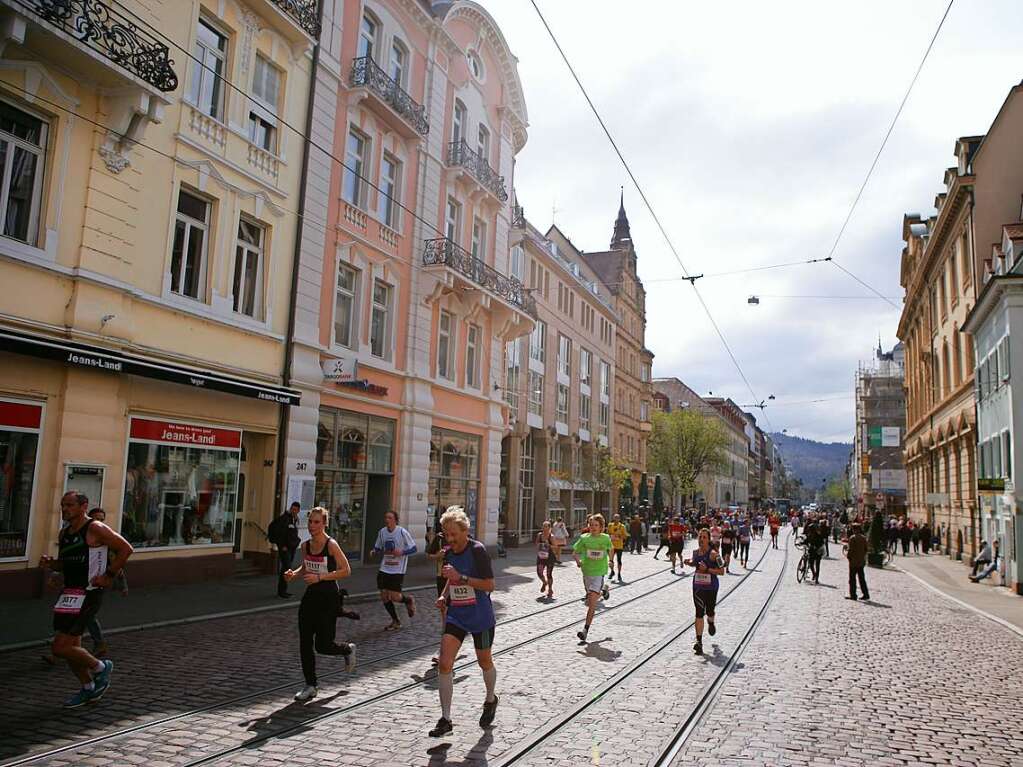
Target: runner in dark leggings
[
  {"x": 323, "y": 564},
  {"x": 664, "y": 544},
  {"x": 744, "y": 538}
]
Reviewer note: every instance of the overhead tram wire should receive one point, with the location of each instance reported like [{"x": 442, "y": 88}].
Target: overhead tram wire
[
  {"x": 646, "y": 203},
  {"x": 877, "y": 157}
]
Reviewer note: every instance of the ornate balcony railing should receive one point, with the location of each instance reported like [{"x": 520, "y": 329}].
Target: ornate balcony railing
[
  {"x": 113, "y": 35},
  {"x": 444, "y": 251},
  {"x": 304, "y": 12},
  {"x": 367, "y": 73},
  {"x": 459, "y": 154}
]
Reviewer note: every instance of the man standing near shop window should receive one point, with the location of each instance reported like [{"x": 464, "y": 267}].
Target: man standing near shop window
[
  {"x": 85, "y": 548},
  {"x": 283, "y": 533}
]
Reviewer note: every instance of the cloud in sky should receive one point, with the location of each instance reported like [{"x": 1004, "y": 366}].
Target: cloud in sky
[{"x": 750, "y": 127}]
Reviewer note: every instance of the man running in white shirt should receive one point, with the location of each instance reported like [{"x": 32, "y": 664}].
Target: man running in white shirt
[{"x": 395, "y": 544}]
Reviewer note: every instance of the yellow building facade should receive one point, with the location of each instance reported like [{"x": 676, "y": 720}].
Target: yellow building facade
[{"x": 150, "y": 174}]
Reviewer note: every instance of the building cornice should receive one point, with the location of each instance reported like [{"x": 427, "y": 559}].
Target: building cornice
[{"x": 916, "y": 293}]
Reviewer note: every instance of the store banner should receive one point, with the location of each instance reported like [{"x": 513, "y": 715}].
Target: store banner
[
  {"x": 173, "y": 433},
  {"x": 20, "y": 415},
  {"x": 888, "y": 479},
  {"x": 873, "y": 436},
  {"x": 891, "y": 436}
]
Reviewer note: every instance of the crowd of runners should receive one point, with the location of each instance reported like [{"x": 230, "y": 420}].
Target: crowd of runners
[{"x": 91, "y": 561}]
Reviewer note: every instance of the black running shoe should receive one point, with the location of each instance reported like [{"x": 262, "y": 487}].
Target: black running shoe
[
  {"x": 698, "y": 648},
  {"x": 581, "y": 635},
  {"x": 489, "y": 711},
  {"x": 443, "y": 727},
  {"x": 710, "y": 629}
]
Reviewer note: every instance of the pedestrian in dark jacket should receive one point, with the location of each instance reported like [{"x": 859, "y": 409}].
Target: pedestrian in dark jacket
[
  {"x": 283, "y": 533},
  {"x": 857, "y": 556},
  {"x": 925, "y": 538}
]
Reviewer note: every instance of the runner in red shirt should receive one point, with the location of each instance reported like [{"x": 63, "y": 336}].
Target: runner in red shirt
[{"x": 676, "y": 540}]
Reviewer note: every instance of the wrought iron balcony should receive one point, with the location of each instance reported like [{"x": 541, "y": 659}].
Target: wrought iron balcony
[
  {"x": 461, "y": 155},
  {"x": 368, "y": 74},
  {"x": 304, "y": 12},
  {"x": 112, "y": 35},
  {"x": 443, "y": 251}
]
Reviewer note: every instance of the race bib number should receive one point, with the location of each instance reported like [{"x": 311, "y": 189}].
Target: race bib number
[
  {"x": 542, "y": 554},
  {"x": 462, "y": 596},
  {"x": 316, "y": 565},
  {"x": 702, "y": 579},
  {"x": 392, "y": 560},
  {"x": 70, "y": 602},
  {"x": 595, "y": 553},
  {"x": 744, "y": 538}
]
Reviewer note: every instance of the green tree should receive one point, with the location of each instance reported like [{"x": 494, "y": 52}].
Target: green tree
[
  {"x": 837, "y": 491},
  {"x": 684, "y": 445},
  {"x": 606, "y": 473}
]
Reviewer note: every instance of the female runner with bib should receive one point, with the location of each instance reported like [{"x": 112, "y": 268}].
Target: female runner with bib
[
  {"x": 708, "y": 566},
  {"x": 323, "y": 564}
]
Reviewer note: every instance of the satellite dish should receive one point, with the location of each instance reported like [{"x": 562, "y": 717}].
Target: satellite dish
[{"x": 753, "y": 300}]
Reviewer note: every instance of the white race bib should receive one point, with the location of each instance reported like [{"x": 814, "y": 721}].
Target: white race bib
[
  {"x": 595, "y": 553},
  {"x": 744, "y": 538},
  {"x": 392, "y": 560},
  {"x": 462, "y": 596},
  {"x": 542, "y": 554},
  {"x": 70, "y": 602},
  {"x": 702, "y": 579},
  {"x": 315, "y": 565}
]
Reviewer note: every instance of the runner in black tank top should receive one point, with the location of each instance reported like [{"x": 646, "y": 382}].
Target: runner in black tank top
[
  {"x": 323, "y": 563},
  {"x": 84, "y": 559}
]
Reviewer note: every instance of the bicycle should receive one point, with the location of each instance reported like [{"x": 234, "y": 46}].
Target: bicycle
[{"x": 804, "y": 561}]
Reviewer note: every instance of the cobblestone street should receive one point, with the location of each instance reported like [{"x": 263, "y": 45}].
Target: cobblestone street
[{"x": 824, "y": 680}]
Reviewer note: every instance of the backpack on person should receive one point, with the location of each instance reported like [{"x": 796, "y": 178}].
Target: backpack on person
[{"x": 277, "y": 532}]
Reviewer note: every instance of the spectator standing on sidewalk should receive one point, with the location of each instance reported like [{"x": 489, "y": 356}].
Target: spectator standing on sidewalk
[
  {"x": 283, "y": 533},
  {"x": 636, "y": 531},
  {"x": 856, "y": 552}
]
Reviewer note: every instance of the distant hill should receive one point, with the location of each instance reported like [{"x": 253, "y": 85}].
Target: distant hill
[{"x": 811, "y": 461}]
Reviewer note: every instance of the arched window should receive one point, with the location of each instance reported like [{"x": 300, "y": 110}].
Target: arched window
[
  {"x": 398, "y": 66},
  {"x": 369, "y": 33},
  {"x": 459, "y": 122}
]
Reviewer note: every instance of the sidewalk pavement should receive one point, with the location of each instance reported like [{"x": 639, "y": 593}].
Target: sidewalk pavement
[
  {"x": 26, "y": 622},
  {"x": 952, "y": 579}
]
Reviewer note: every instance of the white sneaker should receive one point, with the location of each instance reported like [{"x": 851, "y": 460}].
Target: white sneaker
[
  {"x": 306, "y": 693},
  {"x": 350, "y": 657}
]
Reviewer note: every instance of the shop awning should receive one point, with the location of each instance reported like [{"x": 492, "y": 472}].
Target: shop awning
[
  {"x": 74, "y": 354},
  {"x": 558, "y": 484}
]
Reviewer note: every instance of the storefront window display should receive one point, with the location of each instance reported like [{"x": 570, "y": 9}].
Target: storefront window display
[
  {"x": 353, "y": 451},
  {"x": 454, "y": 473},
  {"x": 20, "y": 424},
  {"x": 181, "y": 484}
]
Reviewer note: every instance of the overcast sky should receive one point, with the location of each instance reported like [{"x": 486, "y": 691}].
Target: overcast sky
[{"x": 750, "y": 127}]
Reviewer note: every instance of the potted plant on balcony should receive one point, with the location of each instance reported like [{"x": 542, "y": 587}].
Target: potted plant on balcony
[{"x": 876, "y": 548}]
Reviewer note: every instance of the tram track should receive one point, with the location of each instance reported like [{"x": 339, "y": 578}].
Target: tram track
[
  {"x": 669, "y": 751},
  {"x": 249, "y": 696}
]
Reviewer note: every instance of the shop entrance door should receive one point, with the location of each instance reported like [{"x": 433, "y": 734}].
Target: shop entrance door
[{"x": 378, "y": 503}]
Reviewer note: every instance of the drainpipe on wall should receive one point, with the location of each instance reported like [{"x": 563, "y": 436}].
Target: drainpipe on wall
[{"x": 284, "y": 419}]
